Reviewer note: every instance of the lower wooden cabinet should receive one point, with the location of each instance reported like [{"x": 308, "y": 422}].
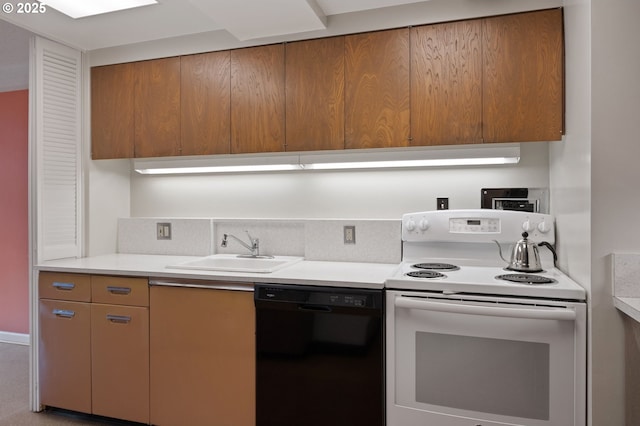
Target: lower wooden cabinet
[
  {"x": 202, "y": 357},
  {"x": 94, "y": 346},
  {"x": 168, "y": 356},
  {"x": 120, "y": 362},
  {"x": 65, "y": 354}
]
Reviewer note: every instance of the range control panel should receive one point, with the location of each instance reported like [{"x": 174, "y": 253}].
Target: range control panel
[
  {"x": 483, "y": 225},
  {"x": 476, "y": 226}
]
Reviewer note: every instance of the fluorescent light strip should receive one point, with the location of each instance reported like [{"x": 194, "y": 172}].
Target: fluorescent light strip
[
  {"x": 413, "y": 163},
  {"x": 83, "y": 8},
  {"x": 219, "y": 169},
  {"x": 330, "y": 166}
]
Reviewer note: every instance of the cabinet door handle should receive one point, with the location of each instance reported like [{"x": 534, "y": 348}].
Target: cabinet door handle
[
  {"x": 118, "y": 290},
  {"x": 63, "y": 286},
  {"x": 63, "y": 313},
  {"x": 123, "y": 319}
]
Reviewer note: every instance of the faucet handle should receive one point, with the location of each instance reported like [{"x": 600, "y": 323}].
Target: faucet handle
[{"x": 250, "y": 237}]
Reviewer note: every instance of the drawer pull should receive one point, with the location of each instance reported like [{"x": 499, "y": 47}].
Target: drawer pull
[
  {"x": 123, "y": 319},
  {"x": 63, "y": 313},
  {"x": 64, "y": 286},
  {"x": 118, "y": 290}
]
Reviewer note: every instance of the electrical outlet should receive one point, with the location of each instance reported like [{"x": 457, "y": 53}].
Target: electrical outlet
[
  {"x": 163, "y": 231},
  {"x": 350, "y": 234},
  {"x": 443, "y": 204}
]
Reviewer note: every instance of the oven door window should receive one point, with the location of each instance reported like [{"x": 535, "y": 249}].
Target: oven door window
[
  {"x": 510, "y": 377},
  {"x": 485, "y": 366}
]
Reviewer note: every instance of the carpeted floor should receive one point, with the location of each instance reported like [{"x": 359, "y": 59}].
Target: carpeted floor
[{"x": 14, "y": 394}]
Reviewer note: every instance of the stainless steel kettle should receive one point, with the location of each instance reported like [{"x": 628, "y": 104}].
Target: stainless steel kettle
[{"x": 525, "y": 256}]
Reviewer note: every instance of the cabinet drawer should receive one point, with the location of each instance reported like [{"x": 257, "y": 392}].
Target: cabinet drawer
[
  {"x": 60, "y": 286},
  {"x": 120, "y": 290}
]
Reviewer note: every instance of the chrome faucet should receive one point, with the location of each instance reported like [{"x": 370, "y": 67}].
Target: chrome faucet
[{"x": 253, "y": 246}]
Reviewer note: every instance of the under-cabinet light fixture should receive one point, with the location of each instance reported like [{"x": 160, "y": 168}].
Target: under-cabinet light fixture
[
  {"x": 463, "y": 155},
  {"x": 83, "y": 8},
  {"x": 442, "y": 162}
]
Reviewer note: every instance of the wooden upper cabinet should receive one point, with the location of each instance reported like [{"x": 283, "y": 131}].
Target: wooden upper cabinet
[
  {"x": 446, "y": 83},
  {"x": 377, "y": 89},
  {"x": 257, "y": 99},
  {"x": 157, "y": 108},
  {"x": 112, "y": 104},
  {"x": 315, "y": 94},
  {"x": 523, "y": 77},
  {"x": 205, "y": 103}
]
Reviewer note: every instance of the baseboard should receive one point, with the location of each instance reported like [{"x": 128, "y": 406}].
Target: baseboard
[{"x": 16, "y": 338}]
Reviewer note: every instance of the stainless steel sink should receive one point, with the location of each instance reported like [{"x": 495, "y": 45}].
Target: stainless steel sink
[{"x": 238, "y": 263}]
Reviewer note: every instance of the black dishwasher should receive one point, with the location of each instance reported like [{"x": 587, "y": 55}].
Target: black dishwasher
[{"x": 319, "y": 356}]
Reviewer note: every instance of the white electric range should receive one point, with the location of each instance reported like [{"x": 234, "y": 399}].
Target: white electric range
[{"x": 468, "y": 346}]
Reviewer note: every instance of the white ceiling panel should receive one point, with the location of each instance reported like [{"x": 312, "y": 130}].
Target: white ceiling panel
[
  {"x": 245, "y": 19},
  {"x": 336, "y": 7},
  {"x": 251, "y": 19}
]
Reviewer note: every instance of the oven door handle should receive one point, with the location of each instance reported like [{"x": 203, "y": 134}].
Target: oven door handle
[{"x": 559, "y": 314}]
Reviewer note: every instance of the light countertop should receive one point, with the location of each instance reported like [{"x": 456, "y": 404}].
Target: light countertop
[
  {"x": 626, "y": 283},
  {"x": 628, "y": 305},
  {"x": 337, "y": 274}
]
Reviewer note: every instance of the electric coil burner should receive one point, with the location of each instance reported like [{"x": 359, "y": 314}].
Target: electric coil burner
[
  {"x": 526, "y": 279},
  {"x": 436, "y": 266},
  {"x": 425, "y": 274}
]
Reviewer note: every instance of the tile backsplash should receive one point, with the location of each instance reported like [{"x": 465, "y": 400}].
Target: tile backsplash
[
  {"x": 377, "y": 241},
  {"x": 189, "y": 237}
]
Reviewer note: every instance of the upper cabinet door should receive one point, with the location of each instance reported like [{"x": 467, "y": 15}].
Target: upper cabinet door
[
  {"x": 523, "y": 77},
  {"x": 112, "y": 104},
  {"x": 315, "y": 94},
  {"x": 446, "y": 83},
  {"x": 377, "y": 89},
  {"x": 157, "y": 108},
  {"x": 205, "y": 103},
  {"x": 257, "y": 99}
]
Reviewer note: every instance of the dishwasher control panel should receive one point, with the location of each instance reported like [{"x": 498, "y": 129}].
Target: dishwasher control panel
[{"x": 318, "y": 296}]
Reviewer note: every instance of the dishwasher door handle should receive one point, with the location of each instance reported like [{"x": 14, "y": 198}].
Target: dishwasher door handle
[{"x": 314, "y": 308}]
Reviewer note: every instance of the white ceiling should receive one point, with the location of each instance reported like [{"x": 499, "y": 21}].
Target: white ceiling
[{"x": 243, "y": 19}]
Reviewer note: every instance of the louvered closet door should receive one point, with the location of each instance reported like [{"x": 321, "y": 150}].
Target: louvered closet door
[{"x": 56, "y": 122}]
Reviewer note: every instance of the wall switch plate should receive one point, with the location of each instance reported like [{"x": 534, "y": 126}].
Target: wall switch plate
[
  {"x": 350, "y": 234},
  {"x": 163, "y": 231},
  {"x": 443, "y": 203}
]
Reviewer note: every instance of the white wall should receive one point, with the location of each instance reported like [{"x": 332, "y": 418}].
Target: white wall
[
  {"x": 353, "y": 194},
  {"x": 570, "y": 176},
  {"x": 615, "y": 152},
  {"x": 594, "y": 176}
]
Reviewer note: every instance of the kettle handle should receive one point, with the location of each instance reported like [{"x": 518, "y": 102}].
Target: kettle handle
[
  {"x": 500, "y": 250},
  {"x": 553, "y": 251}
]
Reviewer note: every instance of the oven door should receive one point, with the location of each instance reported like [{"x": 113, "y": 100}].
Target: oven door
[{"x": 458, "y": 360}]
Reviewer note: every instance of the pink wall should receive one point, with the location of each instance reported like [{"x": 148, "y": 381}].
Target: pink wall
[{"x": 14, "y": 237}]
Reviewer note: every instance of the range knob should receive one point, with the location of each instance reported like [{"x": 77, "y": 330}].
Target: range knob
[
  {"x": 526, "y": 226},
  {"x": 544, "y": 227},
  {"x": 423, "y": 224},
  {"x": 410, "y": 225}
]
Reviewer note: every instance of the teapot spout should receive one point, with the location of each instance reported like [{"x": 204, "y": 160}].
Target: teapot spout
[{"x": 500, "y": 251}]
